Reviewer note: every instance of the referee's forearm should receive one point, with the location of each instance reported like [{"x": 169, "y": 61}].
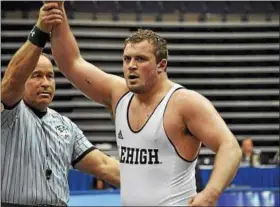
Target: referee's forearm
[
  {"x": 112, "y": 172},
  {"x": 226, "y": 164},
  {"x": 19, "y": 69}
]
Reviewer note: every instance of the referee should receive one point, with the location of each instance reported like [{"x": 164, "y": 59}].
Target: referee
[{"x": 38, "y": 145}]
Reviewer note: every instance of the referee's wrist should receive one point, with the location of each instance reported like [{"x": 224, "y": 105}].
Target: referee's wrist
[{"x": 38, "y": 37}]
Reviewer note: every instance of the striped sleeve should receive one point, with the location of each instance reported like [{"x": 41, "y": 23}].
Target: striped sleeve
[
  {"x": 8, "y": 114},
  {"x": 82, "y": 146}
]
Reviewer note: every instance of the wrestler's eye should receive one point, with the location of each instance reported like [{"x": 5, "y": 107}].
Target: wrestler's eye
[
  {"x": 139, "y": 58},
  {"x": 126, "y": 58}
]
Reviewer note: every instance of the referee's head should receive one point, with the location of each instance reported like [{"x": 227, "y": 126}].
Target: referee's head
[{"x": 40, "y": 85}]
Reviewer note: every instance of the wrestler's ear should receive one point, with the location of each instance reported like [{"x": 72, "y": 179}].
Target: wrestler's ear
[{"x": 162, "y": 65}]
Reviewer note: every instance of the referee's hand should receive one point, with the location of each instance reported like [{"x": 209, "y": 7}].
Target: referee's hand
[{"x": 203, "y": 199}]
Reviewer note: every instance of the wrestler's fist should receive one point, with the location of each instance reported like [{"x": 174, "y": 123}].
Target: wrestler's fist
[{"x": 50, "y": 15}]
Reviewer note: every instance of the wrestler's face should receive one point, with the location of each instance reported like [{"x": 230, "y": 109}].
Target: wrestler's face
[
  {"x": 139, "y": 66},
  {"x": 40, "y": 86}
]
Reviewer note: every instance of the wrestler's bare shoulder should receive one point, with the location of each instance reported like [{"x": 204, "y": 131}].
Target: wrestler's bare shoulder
[
  {"x": 184, "y": 96},
  {"x": 188, "y": 100}
]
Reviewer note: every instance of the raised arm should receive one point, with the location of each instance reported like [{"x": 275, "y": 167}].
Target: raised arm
[
  {"x": 207, "y": 125},
  {"x": 25, "y": 59},
  {"x": 93, "y": 82},
  {"x": 20, "y": 67}
]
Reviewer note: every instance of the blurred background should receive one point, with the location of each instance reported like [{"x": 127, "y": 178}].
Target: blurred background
[{"x": 226, "y": 50}]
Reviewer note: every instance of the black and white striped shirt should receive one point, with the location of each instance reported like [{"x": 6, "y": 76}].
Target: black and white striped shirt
[{"x": 29, "y": 146}]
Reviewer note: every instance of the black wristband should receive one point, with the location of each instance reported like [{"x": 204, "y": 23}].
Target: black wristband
[{"x": 38, "y": 37}]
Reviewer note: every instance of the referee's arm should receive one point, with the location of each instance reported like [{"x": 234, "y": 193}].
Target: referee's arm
[
  {"x": 102, "y": 166},
  {"x": 20, "y": 67},
  {"x": 26, "y": 58}
]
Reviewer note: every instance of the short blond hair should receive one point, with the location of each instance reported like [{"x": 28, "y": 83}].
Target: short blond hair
[{"x": 161, "y": 50}]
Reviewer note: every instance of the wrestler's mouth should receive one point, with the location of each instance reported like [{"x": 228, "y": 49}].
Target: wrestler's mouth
[{"x": 132, "y": 76}]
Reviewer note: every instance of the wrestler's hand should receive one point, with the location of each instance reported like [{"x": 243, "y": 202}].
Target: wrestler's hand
[
  {"x": 203, "y": 199},
  {"x": 59, "y": 3},
  {"x": 50, "y": 15}
]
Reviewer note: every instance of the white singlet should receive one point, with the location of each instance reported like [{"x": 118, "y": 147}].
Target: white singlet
[{"x": 152, "y": 172}]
